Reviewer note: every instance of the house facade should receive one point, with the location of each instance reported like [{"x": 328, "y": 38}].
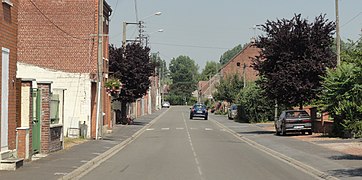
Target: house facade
[
  {"x": 58, "y": 43},
  {"x": 239, "y": 65},
  {"x": 8, "y": 45}
]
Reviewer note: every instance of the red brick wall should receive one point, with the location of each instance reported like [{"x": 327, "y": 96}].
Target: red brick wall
[
  {"x": 61, "y": 36},
  {"x": 45, "y": 117},
  {"x": 22, "y": 143},
  {"x": 245, "y": 56},
  {"x": 8, "y": 39}
]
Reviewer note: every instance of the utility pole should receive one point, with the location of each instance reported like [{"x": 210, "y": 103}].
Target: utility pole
[
  {"x": 338, "y": 39},
  {"x": 124, "y": 35},
  {"x": 99, "y": 119},
  {"x": 244, "y": 75}
]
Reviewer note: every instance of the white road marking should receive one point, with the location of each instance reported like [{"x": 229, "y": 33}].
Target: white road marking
[
  {"x": 165, "y": 128},
  {"x": 192, "y": 148},
  {"x": 208, "y": 129},
  {"x": 150, "y": 129},
  {"x": 60, "y": 174},
  {"x": 179, "y": 128},
  {"x": 83, "y": 161}
]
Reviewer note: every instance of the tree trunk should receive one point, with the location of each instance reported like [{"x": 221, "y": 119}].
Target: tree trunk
[
  {"x": 301, "y": 105},
  {"x": 124, "y": 112}
]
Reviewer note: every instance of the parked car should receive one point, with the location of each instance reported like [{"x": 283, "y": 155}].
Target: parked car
[
  {"x": 293, "y": 121},
  {"x": 166, "y": 104},
  {"x": 199, "y": 110},
  {"x": 232, "y": 111}
]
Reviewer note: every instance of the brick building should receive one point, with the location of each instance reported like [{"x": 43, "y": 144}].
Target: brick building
[
  {"x": 240, "y": 65},
  {"x": 8, "y": 44},
  {"x": 58, "y": 43}
]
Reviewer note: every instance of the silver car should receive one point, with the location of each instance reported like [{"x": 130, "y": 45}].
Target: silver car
[
  {"x": 293, "y": 121},
  {"x": 232, "y": 111},
  {"x": 166, "y": 104}
]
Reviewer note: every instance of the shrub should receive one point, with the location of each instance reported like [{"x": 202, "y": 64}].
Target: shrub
[{"x": 254, "y": 106}]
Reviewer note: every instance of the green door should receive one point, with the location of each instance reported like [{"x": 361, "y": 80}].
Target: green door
[{"x": 36, "y": 120}]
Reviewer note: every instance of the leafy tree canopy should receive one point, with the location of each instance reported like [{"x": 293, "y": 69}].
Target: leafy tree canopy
[
  {"x": 229, "y": 88},
  {"x": 295, "y": 54},
  {"x": 133, "y": 68},
  {"x": 226, "y": 57},
  {"x": 184, "y": 73},
  {"x": 211, "y": 68},
  {"x": 342, "y": 92},
  {"x": 161, "y": 69}
]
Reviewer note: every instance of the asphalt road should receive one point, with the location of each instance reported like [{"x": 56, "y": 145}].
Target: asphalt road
[{"x": 175, "y": 147}]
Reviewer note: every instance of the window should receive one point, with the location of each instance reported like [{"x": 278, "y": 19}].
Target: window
[
  {"x": 238, "y": 64},
  {"x": 54, "y": 109}
]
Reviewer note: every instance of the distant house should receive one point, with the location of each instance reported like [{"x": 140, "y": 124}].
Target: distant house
[
  {"x": 240, "y": 65},
  {"x": 58, "y": 44},
  {"x": 8, "y": 44}
]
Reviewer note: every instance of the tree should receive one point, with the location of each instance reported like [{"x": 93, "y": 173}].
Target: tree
[
  {"x": 254, "y": 106},
  {"x": 133, "y": 68},
  {"x": 229, "y": 88},
  {"x": 342, "y": 92},
  {"x": 184, "y": 73},
  {"x": 162, "y": 69},
  {"x": 295, "y": 54},
  {"x": 211, "y": 68},
  {"x": 226, "y": 57}
]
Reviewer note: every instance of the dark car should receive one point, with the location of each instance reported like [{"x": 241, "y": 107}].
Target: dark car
[
  {"x": 199, "y": 110},
  {"x": 293, "y": 121},
  {"x": 232, "y": 111}
]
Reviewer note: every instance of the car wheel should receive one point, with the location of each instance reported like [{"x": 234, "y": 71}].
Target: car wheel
[
  {"x": 283, "y": 131},
  {"x": 310, "y": 132},
  {"x": 277, "y": 132},
  {"x": 190, "y": 117},
  {"x": 205, "y": 117}
]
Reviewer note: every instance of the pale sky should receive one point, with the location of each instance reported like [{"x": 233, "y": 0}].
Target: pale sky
[{"x": 205, "y": 29}]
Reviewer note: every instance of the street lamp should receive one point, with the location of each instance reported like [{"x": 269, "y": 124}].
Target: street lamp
[{"x": 147, "y": 37}]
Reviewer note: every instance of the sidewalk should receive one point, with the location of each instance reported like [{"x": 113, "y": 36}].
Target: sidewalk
[
  {"x": 59, "y": 164},
  {"x": 346, "y": 146},
  {"x": 313, "y": 151}
]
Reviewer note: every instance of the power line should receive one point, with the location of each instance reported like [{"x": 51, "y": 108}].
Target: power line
[
  {"x": 194, "y": 46},
  {"x": 112, "y": 15},
  {"x": 352, "y": 19},
  {"x": 65, "y": 32}
]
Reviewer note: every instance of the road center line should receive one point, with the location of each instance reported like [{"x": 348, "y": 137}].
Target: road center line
[{"x": 192, "y": 148}]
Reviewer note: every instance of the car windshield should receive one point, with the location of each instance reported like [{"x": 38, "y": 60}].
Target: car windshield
[
  {"x": 297, "y": 114},
  {"x": 199, "y": 106}
]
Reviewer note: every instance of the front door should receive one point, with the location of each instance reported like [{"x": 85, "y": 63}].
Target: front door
[
  {"x": 36, "y": 120},
  {"x": 4, "y": 98}
]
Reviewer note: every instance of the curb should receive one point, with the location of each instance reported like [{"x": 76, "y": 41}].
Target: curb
[
  {"x": 85, "y": 168},
  {"x": 297, "y": 164}
]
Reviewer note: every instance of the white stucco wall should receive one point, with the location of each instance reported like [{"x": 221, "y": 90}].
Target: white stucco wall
[{"x": 77, "y": 102}]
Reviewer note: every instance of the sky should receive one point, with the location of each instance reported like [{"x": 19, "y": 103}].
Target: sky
[{"x": 205, "y": 29}]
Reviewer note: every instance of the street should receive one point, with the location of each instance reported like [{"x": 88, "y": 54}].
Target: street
[{"x": 175, "y": 147}]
